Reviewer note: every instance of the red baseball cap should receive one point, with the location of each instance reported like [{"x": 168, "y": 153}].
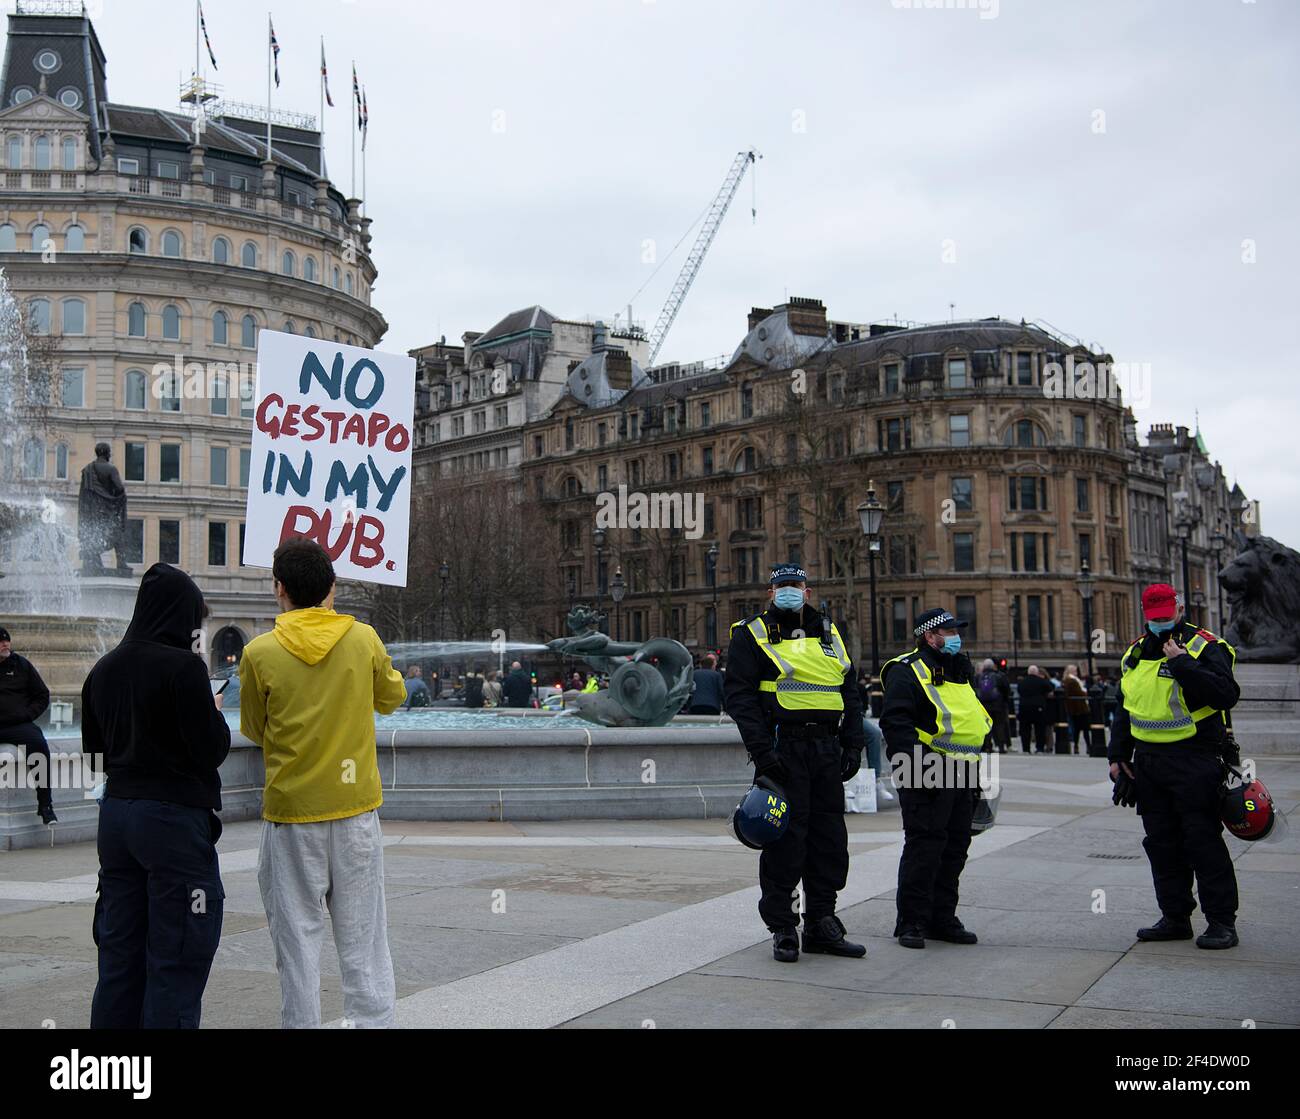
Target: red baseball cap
[{"x": 1160, "y": 602}]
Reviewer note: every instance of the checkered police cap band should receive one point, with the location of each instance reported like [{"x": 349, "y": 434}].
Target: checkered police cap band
[
  {"x": 944, "y": 619},
  {"x": 788, "y": 573}
]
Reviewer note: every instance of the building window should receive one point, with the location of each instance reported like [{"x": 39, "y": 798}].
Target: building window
[
  {"x": 133, "y": 462},
  {"x": 13, "y": 153},
  {"x": 41, "y": 150},
  {"x": 895, "y": 495},
  {"x": 245, "y": 459},
  {"x": 746, "y": 401},
  {"x": 248, "y": 332},
  {"x": 1080, "y": 431},
  {"x": 336, "y": 277},
  {"x": 41, "y": 238},
  {"x": 705, "y": 419},
  {"x": 309, "y": 331},
  {"x": 69, "y": 148},
  {"x": 219, "y": 396},
  {"x": 1025, "y": 433},
  {"x": 963, "y": 551},
  {"x": 61, "y": 462},
  {"x": 74, "y": 388},
  {"x": 135, "y": 390},
  {"x": 220, "y": 251},
  {"x": 1085, "y": 549},
  {"x": 746, "y": 461},
  {"x": 133, "y": 545},
  {"x": 1030, "y": 544},
  {"x": 48, "y": 61},
  {"x": 1081, "y": 502},
  {"x": 217, "y": 457},
  {"x": 1034, "y": 604},
  {"x": 962, "y": 494},
  {"x": 1024, "y": 369},
  {"x": 127, "y": 166},
  {"x": 348, "y": 283},
  {"x": 216, "y": 543},
  {"x": 959, "y": 430},
  {"x": 967, "y": 612},
  {"x": 248, "y": 255},
  {"x": 288, "y": 327},
  {"x": 894, "y": 434},
  {"x": 957, "y": 373},
  {"x": 34, "y": 458},
  {"x": 171, "y": 322},
  {"x": 38, "y": 316},
  {"x": 169, "y": 542},
  {"x": 74, "y": 316},
  {"x": 169, "y": 463},
  {"x": 891, "y": 378},
  {"x": 309, "y": 268},
  {"x": 1027, "y": 494},
  {"x": 220, "y": 328},
  {"x": 239, "y": 182},
  {"x": 170, "y": 400},
  {"x": 74, "y": 240},
  {"x": 706, "y": 460},
  {"x": 137, "y": 241},
  {"x": 899, "y": 629},
  {"x": 288, "y": 266},
  {"x": 8, "y": 239},
  {"x": 171, "y": 243}
]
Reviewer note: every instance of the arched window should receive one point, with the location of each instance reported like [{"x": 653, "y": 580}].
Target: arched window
[
  {"x": 14, "y": 153},
  {"x": 220, "y": 329},
  {"x": 1025, "y": 433},
  {"x": 135, "y": 390},
  {"x": 69, "y": 154},
  {"x": 348, "y": 283},
  {"x": 74, "y": 240},
  {"x": 248, "y": 332},
  {"x": 336, "y": 276},
  {"x": 135, "y": 320},
  {"x": 309, "y": 268},
  {"x": 171, "y": 322},
  {"x": 310, "y": 332},
  {"x": 289, "y": 327},
  {"x": 248, "y": 255},
  {"x": 746, "y": 461},
  {"x": 34, "y": 458},
  {"x": 220, "y": 251},
  {"x": 38, "y": 316},
  {"x": 40, "y": 234},
  {"x": 137, "y": 241},
  {"x": 288, "y": 265},
  {"x": 41, "y": 154},
  {"x": 74, "y": 316},
  {"x": 8, "y": 239},
  {"x": 171, "y": 243}
]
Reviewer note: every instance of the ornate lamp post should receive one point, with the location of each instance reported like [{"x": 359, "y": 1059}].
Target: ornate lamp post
[
  {"x": 1198, "y": 604},
  {"x": 444, "y": 573},
  {"x": 712, "y": 555},
  {"x": 617, "y": 589},
  {"x": 1015, "y": 633},
  {"x": 1220, "y": 541},
  {"x": 598, "y": 539},
  {"x": 1085, "y": 592},
  {"x": 871, "y": 514},
  {"x": 1184, "y": 520}
]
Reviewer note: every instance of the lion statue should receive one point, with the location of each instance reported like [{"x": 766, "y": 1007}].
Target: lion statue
[{"x": 1263, "y": 588}]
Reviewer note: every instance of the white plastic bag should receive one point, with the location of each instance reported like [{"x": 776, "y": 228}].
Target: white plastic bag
[{"x": 860, "y": 792}]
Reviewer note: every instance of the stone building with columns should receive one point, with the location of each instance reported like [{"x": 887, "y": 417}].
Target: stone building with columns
[{"x": 146, "y": 246}]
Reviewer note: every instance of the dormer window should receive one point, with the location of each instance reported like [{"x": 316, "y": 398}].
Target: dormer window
[
  {"x": 48, "y": 61},
  {"x": 70, "y": 98},
  {"x": 22, "y": 95}
]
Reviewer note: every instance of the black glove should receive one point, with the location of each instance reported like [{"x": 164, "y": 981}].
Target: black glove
[
  {"x": 1230, "y": 752},
  {"x": 1125, "y": 792},
  {"x": 850, "y": 762},
  {"x": 767, "y": 763}
]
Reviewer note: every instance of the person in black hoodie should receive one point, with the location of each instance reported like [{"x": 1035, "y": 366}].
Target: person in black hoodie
[
  {"x": 23, "y": 699},
  {"x": 148, "y": 709}
]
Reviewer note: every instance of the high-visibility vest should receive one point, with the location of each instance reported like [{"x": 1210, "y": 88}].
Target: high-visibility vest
[
  {"x": 961, "y": 722},
  {"x": 592, "y": 685},
  {"x": 1154, "y": 700},
  {"x": 811, "y": 669}
]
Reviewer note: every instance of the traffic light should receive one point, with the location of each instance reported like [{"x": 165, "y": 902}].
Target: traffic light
[{"x": 1002, "y": 663}]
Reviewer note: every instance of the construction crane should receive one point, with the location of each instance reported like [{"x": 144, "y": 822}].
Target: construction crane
[{"x": 716, "y": 212}]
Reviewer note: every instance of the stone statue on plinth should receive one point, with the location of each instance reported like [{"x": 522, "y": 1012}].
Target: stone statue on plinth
[
  {"x": 101, "y": 515},
  {"x": 649, "y": 682}
]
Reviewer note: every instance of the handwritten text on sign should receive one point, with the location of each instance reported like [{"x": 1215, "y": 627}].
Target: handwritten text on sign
[{"x": 331, "y": 455}]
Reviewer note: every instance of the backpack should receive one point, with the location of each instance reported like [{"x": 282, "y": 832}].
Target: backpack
[{"x": 988, "y": 689}]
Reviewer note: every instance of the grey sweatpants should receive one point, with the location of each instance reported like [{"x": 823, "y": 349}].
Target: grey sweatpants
[{"x": 305, "y": 870}]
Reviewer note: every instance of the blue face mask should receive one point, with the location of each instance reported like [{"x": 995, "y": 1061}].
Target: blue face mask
[
  {"x": 952, "y": 644},
  {"x": 1161, "y": 627},
  {"x": 788, "y": 598}
]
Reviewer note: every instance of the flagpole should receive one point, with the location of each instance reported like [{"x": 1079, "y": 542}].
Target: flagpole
[
  {"x": 322, "y": 107},
  {"x": 268, "y": 86},
  {"x": 354, "y": 131},
  {"x": 196, "y": 51},
  {"x": 364, "y": 124}
]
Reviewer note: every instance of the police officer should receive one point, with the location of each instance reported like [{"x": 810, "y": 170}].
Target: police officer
[
  {"x": 1170, "y": 737},
  {"x": 934, "y": 726},
  {"x": 791, "y": 689}
]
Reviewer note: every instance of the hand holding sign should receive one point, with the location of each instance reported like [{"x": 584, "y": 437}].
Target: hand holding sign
[{"x": 331, "y": 455}]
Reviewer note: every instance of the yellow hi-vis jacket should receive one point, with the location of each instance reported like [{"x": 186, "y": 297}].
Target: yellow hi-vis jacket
[
  {"x": 592, "y": 685},
  {"x": 961, "y": 721},
  {"x": 1153, "y": 698},
  {"x": 811, "y": 673}
]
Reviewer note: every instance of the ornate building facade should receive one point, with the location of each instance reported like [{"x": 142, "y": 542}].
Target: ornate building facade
[{"x": 153, "y": 252}]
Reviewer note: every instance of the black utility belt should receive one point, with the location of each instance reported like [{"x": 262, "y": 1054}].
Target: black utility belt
[{"x": 806, "y": 730}]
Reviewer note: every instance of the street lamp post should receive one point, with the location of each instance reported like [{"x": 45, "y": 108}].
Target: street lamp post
[
  {"x": 871, "y": 513},
  {"x": 444, "y": 573},
  {"x": 713, "y": 582},
  {"x": 1015, "y": 633},
  {"x": 598, "y": 539},
  {"x": 1219, "y": 540},
  {"x": 1198, "y": 604},
  {"x": 1085, "y": 592},
  {"x": 1183, "y": 522},
  {"x": 617, "y": 590}
]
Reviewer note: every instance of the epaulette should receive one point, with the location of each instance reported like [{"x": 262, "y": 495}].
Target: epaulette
[{"x": 1207, "y": 635}]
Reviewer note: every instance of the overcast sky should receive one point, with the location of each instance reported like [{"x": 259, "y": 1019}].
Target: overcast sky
[{"x": 1093, "y": 164}]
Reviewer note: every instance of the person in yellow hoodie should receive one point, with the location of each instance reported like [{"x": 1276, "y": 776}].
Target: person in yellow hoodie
[{"x": 308, "y": 693}]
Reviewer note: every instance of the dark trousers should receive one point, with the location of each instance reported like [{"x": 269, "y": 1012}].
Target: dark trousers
[
  {"x": 1079, "y": 724},
  {"x": 158, "y": 917},
  {"x": 704, "y": 709},
  {"x": 32, "y": 739},
  {"x": 936, "y": 837},
  {"x": 815, "y": 847},
  {"x": 1001, "y": 730},
  {"x": 1178, "y": 800},
  {"x": 1035, "y": 719}
]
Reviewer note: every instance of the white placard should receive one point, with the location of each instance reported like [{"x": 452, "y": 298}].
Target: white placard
[{"x": 331, "y": 455}]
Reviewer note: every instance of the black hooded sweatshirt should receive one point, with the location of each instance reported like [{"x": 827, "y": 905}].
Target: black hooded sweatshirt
[{"x": 147, "y": 706}]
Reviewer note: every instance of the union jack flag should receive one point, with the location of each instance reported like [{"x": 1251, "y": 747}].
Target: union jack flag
[
  {"x": 275, "y": 52},
  {"x": 365, "y": 119},
  {"x": 203, "y": 24},
  {"x": 356, "y": 93},
  {"x": 325, "y": 77}
]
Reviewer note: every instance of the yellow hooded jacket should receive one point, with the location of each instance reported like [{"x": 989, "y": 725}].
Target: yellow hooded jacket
[{"x": 308, "y": 690}]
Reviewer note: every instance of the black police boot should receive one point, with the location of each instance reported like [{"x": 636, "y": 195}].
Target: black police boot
[
  {"x": 911, "y": 936},
  {"x": 45, "y": 809},
  {"x": 785, "y": 945},
  {"x": 1218, "y": 935},
  {"x": 1167, "y": 929},
  {"x": 954, "y": 933},
  {"x": 826, "y": 934}
]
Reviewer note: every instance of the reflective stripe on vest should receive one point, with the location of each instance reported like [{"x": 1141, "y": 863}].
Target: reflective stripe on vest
[
  {"x": 962, "y": 722},
  {"x": 1156, "y": 709},
  {"x": 810, "y": 677}
]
